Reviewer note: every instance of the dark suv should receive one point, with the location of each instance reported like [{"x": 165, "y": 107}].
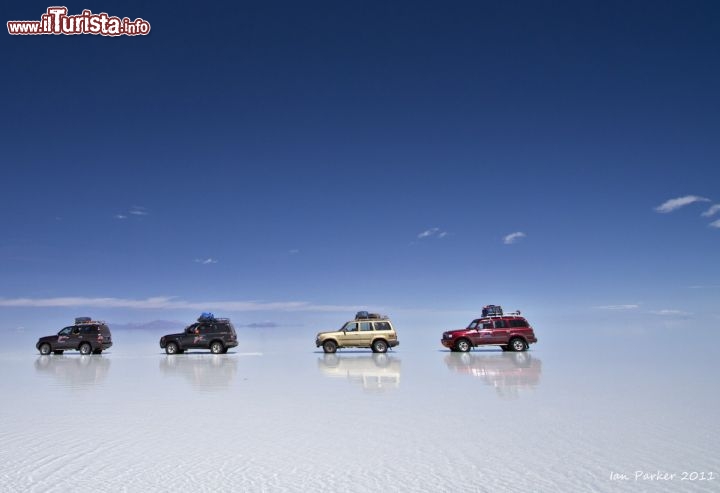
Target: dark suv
[
  {"x": 86, "y": 336},
  {"x": 216, "y": 334},
  {"x": 511, "y": 332}
]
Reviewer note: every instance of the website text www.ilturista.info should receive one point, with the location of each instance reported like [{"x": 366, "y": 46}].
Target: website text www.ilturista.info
[{"x": 57, "y": 21}]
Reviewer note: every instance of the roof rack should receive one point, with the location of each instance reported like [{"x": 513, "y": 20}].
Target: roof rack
[
  {"x": 516, "y": 313},
  {"x": 363, "y": 315}
]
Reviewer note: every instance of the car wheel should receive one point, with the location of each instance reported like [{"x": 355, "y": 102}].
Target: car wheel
[
  {"x": 329, "y": 346},
  {"x": 45, "y": 348},
  {"x": 518, "y": 345},
  {"x": 216, "y": 347},
  {"x": 85, "y": 348},
  {"x": 224, "y": 351},
  {"x": 463, "y": 345},
  {"x": 379, "y": 346},
  {"x": 172, "y": 348}
]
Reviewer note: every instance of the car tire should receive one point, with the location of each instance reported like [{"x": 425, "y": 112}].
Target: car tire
[
  {"x": 463, "y": 345},
  {"x": 379, "y": 346},
  {"x": 45, "y": 348},
  {"x": 86, "y": 348},
  {"x": 172, "y": 348},
  {"x": 517, "y": 345},
  {"x": 225, "y": 350},
  {"x": 329, "y": 347},
  {"x": 216, "y": 347}
]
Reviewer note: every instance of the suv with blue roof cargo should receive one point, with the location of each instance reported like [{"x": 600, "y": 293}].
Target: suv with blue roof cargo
[{"x": 216, "y": 334}]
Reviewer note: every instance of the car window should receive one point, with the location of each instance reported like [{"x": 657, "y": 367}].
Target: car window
[
  {"x": 365, "y": 326},
  {"x": 350, "y": 327},
  {"x": 75, "y": 330},
  {"x": 487, "y": 325},
  {"x": 518, "y": 323},
  {"x": 207, "y": 328},
  {"x": 88, "y": 329},
  {"x": 473, "y": 324},
  {"x": 65, "y": 331},
  {"x": 500, "y": 324},
  {"x": 222, "y": 328},
  {"x": 382, "y": 326}
]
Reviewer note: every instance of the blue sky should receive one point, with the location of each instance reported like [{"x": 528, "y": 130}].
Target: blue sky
[{"x": 293, "y": 161}]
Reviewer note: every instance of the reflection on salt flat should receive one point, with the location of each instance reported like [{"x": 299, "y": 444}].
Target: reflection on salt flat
[
  {"x": 508, "y": 373},
  {"x": 74, "y": 371},
  {"x": 202, "y": 371},
  {"x": 375, "y": 372}
]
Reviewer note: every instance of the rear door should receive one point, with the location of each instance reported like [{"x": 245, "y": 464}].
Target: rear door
[
  {"x": 500, "y": 331},
  {"x": 365, "y": 334}
]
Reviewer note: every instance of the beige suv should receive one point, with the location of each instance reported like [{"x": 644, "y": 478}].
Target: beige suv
[{"x": 368, "y": 330}]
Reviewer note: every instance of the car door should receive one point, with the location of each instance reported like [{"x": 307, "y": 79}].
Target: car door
[
  {"x": 208, "y": 332},
  {"x": 365, "y": 334},
  {"x": 482, "y": 333},
  {"x": 351, "y": 335},
  {"x": 73, "y": 340},
  {"x": 63, "y": 337},
  {"x": 500, "y": 331},
  {"x": 191, "y": 337}
]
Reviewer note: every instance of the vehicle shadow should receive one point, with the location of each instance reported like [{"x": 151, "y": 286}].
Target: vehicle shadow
[
  {"x": 508, "y": 373},
  {"x": 373, "y": 372},
  {"x": 201, "y": 370},
  {"x": 74, "y": 371}
]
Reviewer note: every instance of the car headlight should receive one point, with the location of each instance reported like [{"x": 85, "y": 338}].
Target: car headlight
[{"x": 448, "y": 336}]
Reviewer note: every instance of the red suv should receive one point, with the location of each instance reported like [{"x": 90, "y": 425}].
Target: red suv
[{"x": 511, "y": 332}]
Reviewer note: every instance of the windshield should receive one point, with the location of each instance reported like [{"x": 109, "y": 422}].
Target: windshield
[{"x": 473, "y": 324}]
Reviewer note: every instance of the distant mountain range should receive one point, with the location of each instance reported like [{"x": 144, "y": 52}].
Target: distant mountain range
[{"x": 165, "y": 325}]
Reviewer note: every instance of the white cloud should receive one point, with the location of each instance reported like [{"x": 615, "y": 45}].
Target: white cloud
[
  {"x": 715, "y": 224},
  {"x": 138, "y": 210},
  {"x": 670, "y": 312},
  {"x": 618, "y": 307},
  {"x": 165, "y": 302},
  {"x": 205, "y": 261},
  {"x": 513, "y": 237},
  {"x": 674, "y": 204},
  {"x": 432, "y": 233},
  {"x": 711, "y": 211},
  {"x": 120, "y": 216}
]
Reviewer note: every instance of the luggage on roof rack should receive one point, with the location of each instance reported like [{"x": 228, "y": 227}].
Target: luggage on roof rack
[
  {"x": 363, "y": 315},
  {"x": 492, "y": 311},
  {"x": 206, "y": 317},
  {"x": 82, "y": 320}
]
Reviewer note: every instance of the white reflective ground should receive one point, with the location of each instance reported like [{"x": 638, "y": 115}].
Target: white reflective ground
[{"x": 286, "y": 417}]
